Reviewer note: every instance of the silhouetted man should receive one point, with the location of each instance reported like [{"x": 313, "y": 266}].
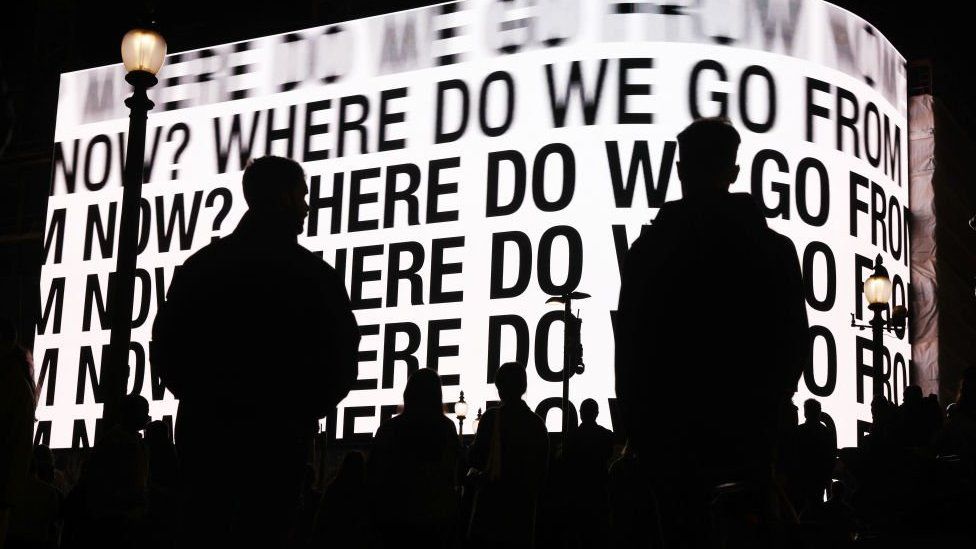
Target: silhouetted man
[
  {"x": 711, "y": 334},
  {"x": 816, "y": 451},
  {"x": 258, "y": 341},
  {"x": 588, "y": 454},
  {"x": 511, "y": 451}
]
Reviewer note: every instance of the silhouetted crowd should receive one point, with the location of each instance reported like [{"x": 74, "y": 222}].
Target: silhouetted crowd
[
  {"x": 258, "y": 341},
  {"x": 512, "y": 485}
]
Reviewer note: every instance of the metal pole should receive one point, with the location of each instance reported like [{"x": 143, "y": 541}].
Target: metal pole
[
  {"x": 877, "y": 344},
  {"x": 115, "y": 366},
  {"x": 567, "y": 363}
]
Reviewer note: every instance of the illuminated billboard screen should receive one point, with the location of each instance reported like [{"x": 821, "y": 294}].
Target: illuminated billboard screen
[{"x": 468, "y": 159}]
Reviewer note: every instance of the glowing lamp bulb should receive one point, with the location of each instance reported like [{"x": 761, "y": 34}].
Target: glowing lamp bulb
[{"x": 143, "y": 50}]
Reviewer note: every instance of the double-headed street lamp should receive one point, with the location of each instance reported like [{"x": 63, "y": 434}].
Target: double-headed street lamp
[
  {"x": 143, "y": 53},
  {"x": 877, "y": 290}
]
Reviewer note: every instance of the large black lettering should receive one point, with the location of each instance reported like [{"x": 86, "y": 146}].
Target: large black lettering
[
  {"x": 94, "y": 297},
  {"x": 333, "y": 203},
  {"x": 542, "y": 330},
  {"x": 825, "y": 389},
  {"x": 286, "y": 134},
  {"x": 782, "y": 190},
  {"x": 757, "y": 126},
  {"x": 823, "y": 210},
  {"x": 626, "y": 89},
  {"x": 55, "y": 235},
  {"x": 436, "y": 189},
  {"x": 312, "y": 129},
  {"x": 105, "y": 233},
  {"x": 392, "y": 355},
  {"x": 718, "y": 97},
  {"x": 177, "y": 220},
  {"x": 521, "y": 347},
  {"x": 810, "y": 254},
  {"x": 96, "y": 182},
  {"x": 856, "y": 204},
  {"x": 235, "y": 139},
  {"x": 524, "y": 272},
  {"x": 358, "y": 198},
  {"x": 88, "y": 369},
  {"x": 574, "y": 263},
  {"x": 640, "y": 160},
  {"x": 388, "y": 118},
  {"x": 552, "y": 403},
  {"x": 397, "y": 272},
  {"x": 575, "y": 86},
  {"x": 52, "y": 307},
  {"x": 499, "y": 129},
  {"x": 568, "y": 186},
  {"x": 360, "y": 276},
  {"x": 48, "y": 376},
  {"x": 67, "y": 169},
  {"x": 348, "y": 124},
  {"x": 407, "y": 196},
  {"x": 439, "y": 268},
  {"x": 436, "y": 350},
  {"x": 440, "y": 134},
  {"x": 515, "y": 158}
]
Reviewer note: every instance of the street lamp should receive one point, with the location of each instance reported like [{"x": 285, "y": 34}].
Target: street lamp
[
  {"x": 143, "y": 53},
  {"x": 477, "y": 421},
  {"x": 461, "y": 412},
  {"x": 877, "y": 290},
  {"x": 572, "y": 348}
]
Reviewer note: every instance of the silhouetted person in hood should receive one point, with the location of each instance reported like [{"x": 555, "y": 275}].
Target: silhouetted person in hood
[
  {"x": 258, "y": 341},
  {"x": 711, "y": 323}
]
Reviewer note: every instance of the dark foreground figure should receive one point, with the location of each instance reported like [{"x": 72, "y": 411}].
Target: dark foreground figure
[
  {"x": 258, "y": 341},
  {"x": 509, "y": 458},
  {"x": 412, "y": 469},
  {"x": 712, "y": 323}
]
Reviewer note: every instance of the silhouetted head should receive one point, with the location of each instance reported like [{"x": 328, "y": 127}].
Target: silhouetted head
[
  {"x": 589, "y": 409},
  {"x": 423, "y": 393},
  {"x": 707, "y": 148},
  {"x": 511, "y": 382},
  {"x": 880, "y": 409},
  {"x": 791, "y": 414},
  {"x": 812, "y": 411},
  {"x": 134, "y": 413},
  {"x": 274, "y": 188},
  {"x": 912, "y": 395}
]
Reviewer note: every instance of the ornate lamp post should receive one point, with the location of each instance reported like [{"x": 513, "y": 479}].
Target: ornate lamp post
[
  {"x": 461, "y": 412},
  {"x": 143, "y": 53},
  {"x": 877, "y": 290}
]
